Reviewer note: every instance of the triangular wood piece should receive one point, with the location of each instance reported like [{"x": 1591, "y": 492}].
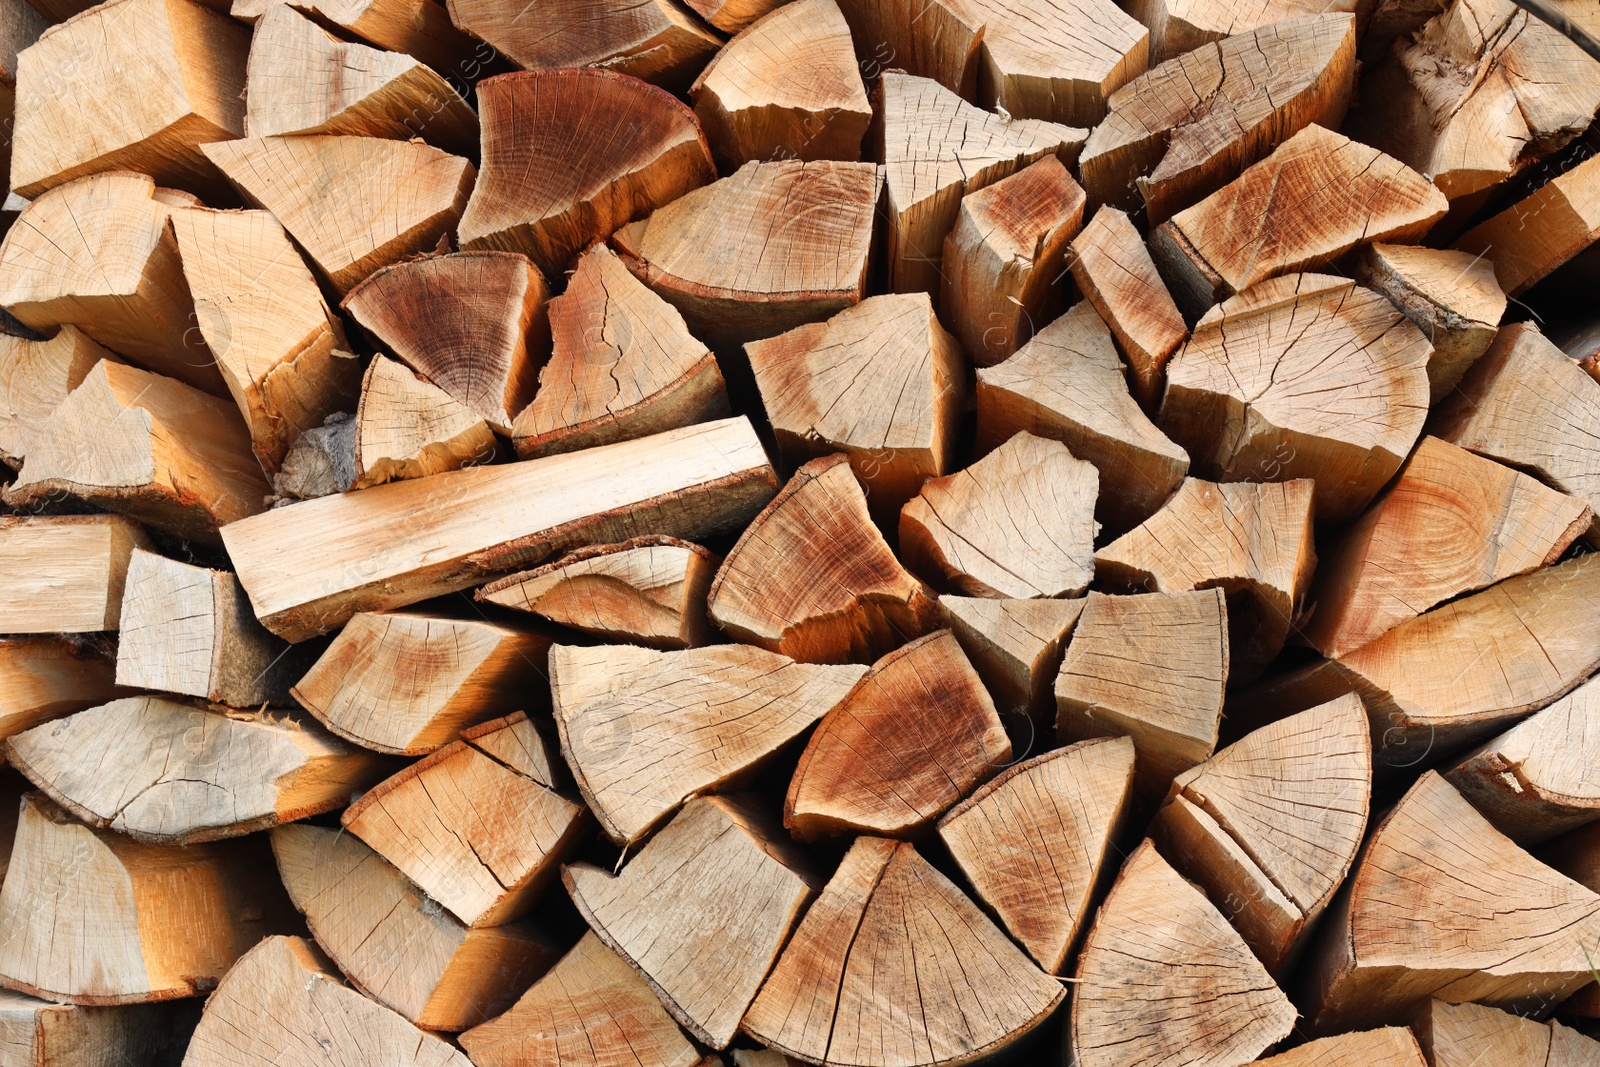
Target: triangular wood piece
[
  {"x": 407, "y": 427},
  {"x": 1068, "y": 384},
  {"x": 1034, "y": 841},
  {"x": 768, "y": 248},
  {"x": 35, "y": 377},
  {"x": 274, "y": 1008},
  {"x": 1341, "y": 194},
  {"x": 1460, "y": 1035},
  {"x": 1246, "y": 395},
  {"x": 732, "y": 16},
  {"x": 392, "y": 939},
  {"x": 702, "y": 911},
  {"x": 881, "y": 382},
  {"x": 1392, "y": 1046},
  {"x": 935, "y": 147},
  {"x": 1251, "y": 540},
  {"x": 1282, "y": 810},
  {"x": 590, "y": 1010},
  {"x": 420, "y": 28},
  {"x": 643, "y": 731},
  {"x": 170, "y": 773},
  {"x": 780, "y": 588},
  {"x": 517, "y": 742},
  {"x": 66, "y": 573},
  {"x": 881, "y": 968},
  {"x": 1180, "y": 132},
  {"x": 1017, "y": 523},
  {"x": 1451, "y": 523},
  {"x": 353, "y": 203},
  {"x": 787, "y": 87},
  {"x": 44, "y": 678},
  {"x": 39, "y": 1033},
  {"x": 912, "y": 738},
  {"x": 1534, "y": 236},
  {"x": 623, "y": 365},
  {"x": 1015, "y": 645}
]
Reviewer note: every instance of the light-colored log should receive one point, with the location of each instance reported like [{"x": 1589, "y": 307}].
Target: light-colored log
[
  {"x": 45, "y": 678},
  {"x": 65, "y": 573},
  {"x": 407, "y": 427},
  {"x": 525, "y": 747},
  {"x": 421, "y": 28},
  {"x": 39, "y": 1033},
  {"x": 1181, "y": 28},
  {"x": 1540, "y": 232},
  {"x": 1457, "y": 1035},
  {"x": 1391, "y": 1046},
  {"x": 1015, "y": 645},
  {"x": 35, "y": 377}
]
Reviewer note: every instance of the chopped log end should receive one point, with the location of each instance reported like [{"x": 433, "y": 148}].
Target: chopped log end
[
  {"x": 1015, "y": 645},
  {"x": 407, "y": 427},
  {"x": 35, "y": 377},
  {"x": 1531, "y": 238},
  {"x": 66, "y": 573}
]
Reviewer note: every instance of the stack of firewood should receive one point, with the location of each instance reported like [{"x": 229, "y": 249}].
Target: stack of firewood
[{"x": 878, "y": 533}]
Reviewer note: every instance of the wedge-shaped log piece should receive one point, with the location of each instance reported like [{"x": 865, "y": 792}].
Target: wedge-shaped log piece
[
  {"x": 1452, "y": 522},
  {"x": 170, "y": 773},
  {"x": 1316, "y": 197},
  {"x": 1015, "y": 645},
  {"x": 1035, "y": 840},
  {"x": 44, "y": 678},
  {"x": 935, "y": 147},
  {"x": 393, "y": 940},
  {"x": 1113, "y": 269},
  {"x": 302, "y": 79},
  {"x": 1183, "y": 130},
  {"x": 353, "y": 203},
  {"x": 643, "y": 731},
  {"x": 1391, "y": 1046},
  {"x": 702, "y": 911},
  {"x": 623, "y": 365},
  {"x": 1452, "y": 297},
  {"x": 99, "y": 254},
  {"x": 879, "y": 969},
  {"x": 881, "y": 382},
  {"x": 38, "y": 1033},
  {"x": 1152, "y": 667},
  {"x": 732, "y": 16},
  {"x": 1457, "y": 1035},
  {"x": 1283, "y": 808},
  {"x": 137, "y": 85},
  {"x": 35, "y": 377},
  {"x": 527, "y": 749},
  {"x": 420, "y": 28},
  {"x": 482, "y": 522},
  {"x": 87, "y": 916},
  {"x": 410, "y": 428},
  {"x": 1018, "y": 523},
  {"x": 1503, "y": 929},
  {"x": 161, "y": 451},
  {"x": 1163, "y": 976},
  {"x": 1539, "y": 233},
  {"x": 65, "y": 573},
  {"x": 1249, "y": 395},
  {"x": 1179, "y": 27},
  {"x": 275, "y": 1007},
  {"x": 409, "y": 684},
  {"x": 912, "y": 738},
  {"x": 768, "y": 248},
  {"x": 812, "y": 578},
  {"x": 1252, "y": 541},
  {"x": 1067, "y": 384}
]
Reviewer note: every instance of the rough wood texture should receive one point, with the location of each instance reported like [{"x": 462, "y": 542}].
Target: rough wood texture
[
  {"x": 1015, "y": 645},
  {"x": 65, "y": 573},
  {"x": 1539, "y": 233},
  {"x": 522, "y": 745},
  {"x": 914, "y": 736},
  {"x": 406, "y": 427},
  {"x": 1457, "y": 1035},
  {"x": 1188, "y": 26},
  {"x": 44, "y": 678},
  {"x": 35, "y": 377},
  {"x": 1392, "y": 1046},
  {"x": 1035, "y": 841},
  {"x": 420, "y": 28},
  {"x": 878, "y": 972},
  {"x": 812, "y": 578},
  {"x": 483, "y": 522},
  {"x": 38, "y": 1033}
]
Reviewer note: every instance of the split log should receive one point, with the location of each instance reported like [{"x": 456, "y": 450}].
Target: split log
[
  {"x": 1017, "y": 523},
  {"x": 170, "y": 773},
  {"x": 881, "y": 382},
  {"x": 1459, "y": 1035},
  {"x": 406, "y": 427},
  {"x": 623, "y": 365},
  {"x": 1451, "y": 523},
  {"x": 136, "y": 85},
  {"x": 770, "y": 247},
  {"x": 590, "y": 1010},
  {"x": 543, "y": 193},
  {"x": 1015, "y": 645},
  {"x": 135, "y": 442},
  {"x": 1252, "y": 541},
  {"x": 787, "y": 87},
  {"x": 913, "y": 737},
  {"x": 528, "y": 749},
  {"x": 1004, "y": 259},
  {"x": 1392, "y": 1046},
  {"x": 702, "y": 911},
  {"x": 420, "y": 28},
  {"x": 38, "y": 1033},
  {"x": 392, "y": 939},
  {"x": 1152, "y": 667},
  {"x": 1452, "y": 297},
  {"x": 1163, "y": 976},
  {"x": 473, "y": 323},
  {"x": 1316, "y": 197},
  {"x": 643, "y": 731},
  {"x": 1067, "y": 384},
  {"x": 1537, "y": 234},
  {"x": 353, "y": 203},
  {"x": 1247, "y": 396},
  {"x": 276, "y": 1008},
  {"x": 19, "y": 29},
  {"x": 408, "y": 684},
  {"x": 880, "y": 968},
  {"x": 311, "y": 566},
  {"x": 65, "y": 573},
  {"x": 45, "y": 678},
  {"x": 1180, "y": 132},
  {"x": 1034, "y": 842},
  {"x": 1270, "y": 826},
  {"x": 278, "y": 346},
  {"x": 812, "y": 578},
  {"x": 88, "y": 916},
  {"x": 936, "y": 147},
  {"x": 35, "y": 377},
  {"x": 1113, "y": 269}
]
